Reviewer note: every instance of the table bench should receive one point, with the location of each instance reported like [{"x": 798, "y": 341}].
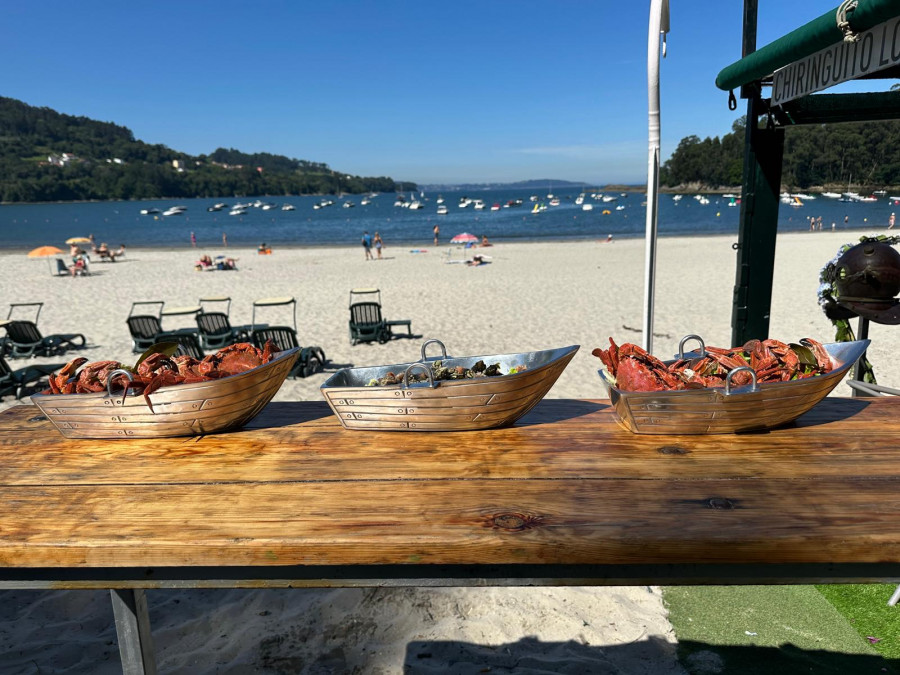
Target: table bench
[{"x": 564, "y": 497}]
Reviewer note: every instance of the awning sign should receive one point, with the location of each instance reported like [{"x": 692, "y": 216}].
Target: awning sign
[{"x": 878, "y": 48}]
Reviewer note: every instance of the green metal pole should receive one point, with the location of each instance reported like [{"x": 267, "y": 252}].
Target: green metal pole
[{"x": 763, "y": 153}]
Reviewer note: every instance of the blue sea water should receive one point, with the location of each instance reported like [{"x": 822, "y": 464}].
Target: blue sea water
[{"x": 23, "y": 227}]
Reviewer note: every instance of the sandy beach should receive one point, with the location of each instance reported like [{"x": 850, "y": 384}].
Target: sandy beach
[{"x": 529, "y": 297}]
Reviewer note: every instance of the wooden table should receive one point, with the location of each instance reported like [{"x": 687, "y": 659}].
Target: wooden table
[{"x": 565, "y": 497}]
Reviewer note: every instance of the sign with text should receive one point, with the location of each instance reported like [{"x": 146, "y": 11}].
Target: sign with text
[{"x": 877, "y": 48}]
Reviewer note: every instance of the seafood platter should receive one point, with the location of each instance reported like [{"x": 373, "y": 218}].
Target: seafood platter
[
  {"x": 445, "y": 393},
  {"x": 761, "y": 385},
  {"x": 165, "y": 395}
]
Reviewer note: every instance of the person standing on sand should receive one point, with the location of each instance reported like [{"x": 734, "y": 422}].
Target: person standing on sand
[
  {"x": 378, "y": 244},
  {"x": 224, "y": 240},
  {"x": 891, "y": 222},
  {"x": 367, "y": 244},
  {"x": 193, "y": 240},
  {"x": 437, "y": 232}
]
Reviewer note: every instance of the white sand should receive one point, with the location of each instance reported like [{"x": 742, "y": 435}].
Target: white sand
[{"x": 531, "y": 296}]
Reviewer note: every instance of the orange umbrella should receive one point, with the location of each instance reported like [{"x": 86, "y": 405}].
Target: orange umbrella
[{"x": 45, "y": 252}]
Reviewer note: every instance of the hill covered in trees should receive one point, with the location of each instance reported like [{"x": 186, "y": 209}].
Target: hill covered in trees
[
  {"x": 49, "y": 156},
  {"x": 827, "y": 155}
]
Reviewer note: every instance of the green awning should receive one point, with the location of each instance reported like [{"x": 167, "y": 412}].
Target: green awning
[{"x": 814, "y": 36}]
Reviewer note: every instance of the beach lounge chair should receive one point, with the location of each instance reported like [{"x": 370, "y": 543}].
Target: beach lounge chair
[
  {"x": 19, "y": 380},
  {"x": 61, "y": 269},
  {"x": 311, "y": 360},
  {"x": 143, "y": 328},
  {"x": 366, "y": 321},
  {"x": 23, "y": 339},
  {"x": 215, "y": 329},
  {"x": 188, "y": 345}
]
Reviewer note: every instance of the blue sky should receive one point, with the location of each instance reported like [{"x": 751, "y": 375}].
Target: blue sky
[{"x": 453, "y": 91}]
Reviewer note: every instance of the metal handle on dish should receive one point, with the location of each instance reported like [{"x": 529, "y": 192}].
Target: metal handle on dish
[
  {"x": 437, "y": 342},
  {"x": 691, "y": 337},
  {"x": 423, "y": 366},
  {"x": 742, "y": 369},
  {"x": 112, "y": 376}
]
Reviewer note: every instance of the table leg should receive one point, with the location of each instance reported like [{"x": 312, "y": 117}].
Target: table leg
[{"x": 133, "y": 631}]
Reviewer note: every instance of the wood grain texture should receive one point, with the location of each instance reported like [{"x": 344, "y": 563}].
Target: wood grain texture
[{"x": 565, "y": 485}]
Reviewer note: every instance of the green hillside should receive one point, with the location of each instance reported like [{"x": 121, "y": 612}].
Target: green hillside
[
  {"x": 827, "y": 155},
  {"x": 49, "y": 156}
]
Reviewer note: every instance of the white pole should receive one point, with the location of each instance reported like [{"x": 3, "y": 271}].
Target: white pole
[{"x": 659, "y": 23}]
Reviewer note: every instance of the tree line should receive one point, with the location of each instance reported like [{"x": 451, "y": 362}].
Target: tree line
[
  {"x": 826, "y": 155},
  {"x": 106, "y": 162}
]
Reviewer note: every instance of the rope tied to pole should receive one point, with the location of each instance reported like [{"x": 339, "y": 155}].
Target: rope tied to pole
[{"x": 843, "y": 23}]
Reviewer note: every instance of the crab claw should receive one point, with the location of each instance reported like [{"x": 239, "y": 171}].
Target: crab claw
[{"x": 59, "y": 380}]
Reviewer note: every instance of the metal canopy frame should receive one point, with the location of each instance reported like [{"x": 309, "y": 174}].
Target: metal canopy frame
[{"x": 764, "y": 145}]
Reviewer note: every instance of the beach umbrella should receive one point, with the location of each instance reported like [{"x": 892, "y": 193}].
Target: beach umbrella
[
  {"x": 78, "y": 240},
  {"x": 659, "y": 24},
  {"x": 463, "y": 238},
  {"x": 45, "y": 252}
]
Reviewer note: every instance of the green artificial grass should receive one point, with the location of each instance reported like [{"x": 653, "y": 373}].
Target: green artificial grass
[
  {"x": 768, "y": 629},
  {"x": 865, "y": 608}
]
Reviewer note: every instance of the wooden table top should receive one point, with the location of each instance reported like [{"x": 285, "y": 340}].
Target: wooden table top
[{"x": 566, "y": 486}]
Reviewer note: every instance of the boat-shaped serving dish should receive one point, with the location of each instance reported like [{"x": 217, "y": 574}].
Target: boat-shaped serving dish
[
  {"x": 180, "y": 410},
  {"x": 736, "y": 409},
  {"x": 445, "y": 405}
]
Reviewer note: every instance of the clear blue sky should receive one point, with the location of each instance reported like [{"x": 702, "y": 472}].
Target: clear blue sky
[{"x": 453, "y": 91}]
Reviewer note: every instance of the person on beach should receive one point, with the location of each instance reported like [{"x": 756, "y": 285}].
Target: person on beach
[
  {"x": 224, "y": 240},
  {"x": 121, "y": 250},
  {"x": 484, "y": 241},
  {"x": 891, "y": 222},
  {"x": 367, "y": 244},
  {"x": 193, "y": 240},
  {"x": 378, "y": 244},
  {"x": 437, "y": 232}
]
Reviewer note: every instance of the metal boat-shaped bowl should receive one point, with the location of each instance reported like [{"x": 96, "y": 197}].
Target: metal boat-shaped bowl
[
  {"x": 446, "y": 405},
  {"x": 180, "y": 410},
  {"x": 713, "y": 411}
]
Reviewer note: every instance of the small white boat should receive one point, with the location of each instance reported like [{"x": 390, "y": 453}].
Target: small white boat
[
  {"x": 801, "y": 195},
  {"x": 554, "y": 201},
  {"x": 348, "y": 205},
  {"x": 495, "y": 207},
  {"x": 149, "y": 212},
  {"x": 442, "y": 210},
  {"x": 440, "y": 199},
  {"x": 416, "y": 205},
  {"x": 364, "y": 202},
  {"x": 238, "y": 211},
  {"x": 587, "y": 207},
  {"x": 288, "y": 207},
  {"x": 175, "y": 211},
  {"x": 677, "y": 198},
  {"x": 606, "y": 199},
  {"x": 478, "y": 205},
  {"x": 831, "y": 195}
]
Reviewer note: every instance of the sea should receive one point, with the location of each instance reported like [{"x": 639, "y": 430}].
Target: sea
[{"x": 310, "y": 223}]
